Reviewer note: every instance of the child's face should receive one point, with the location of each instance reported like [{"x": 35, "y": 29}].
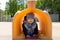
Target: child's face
[{"x": 30, "y": 20}]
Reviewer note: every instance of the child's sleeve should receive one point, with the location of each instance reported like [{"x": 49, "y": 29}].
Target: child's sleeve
[
  {"x": 34, "y": 27},
  {"x": 26, "y": 27}
]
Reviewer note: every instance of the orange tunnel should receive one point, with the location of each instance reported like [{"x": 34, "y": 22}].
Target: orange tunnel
[{"x": 44, "y": 22}]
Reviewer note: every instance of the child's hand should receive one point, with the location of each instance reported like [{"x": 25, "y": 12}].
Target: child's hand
[
  {"x": 27, "y": 36},
  {"x": 34, "y": 35}
]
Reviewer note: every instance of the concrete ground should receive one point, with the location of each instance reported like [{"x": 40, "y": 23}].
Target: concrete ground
[{"x": 6, "y": 31}]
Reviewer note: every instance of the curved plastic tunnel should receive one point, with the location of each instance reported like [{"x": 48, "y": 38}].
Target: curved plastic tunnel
[
  {"x": 45, "y": 23},
  {"x": 44, "y": 20}
]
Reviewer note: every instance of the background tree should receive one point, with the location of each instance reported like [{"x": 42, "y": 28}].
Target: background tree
[
  {"x": 44, "y": 4},
  {"x": 12, "y": 7},
  {"x": 6, "y": 9}
]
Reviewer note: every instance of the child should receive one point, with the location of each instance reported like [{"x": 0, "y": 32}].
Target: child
[{"x": 30, "y": 26}]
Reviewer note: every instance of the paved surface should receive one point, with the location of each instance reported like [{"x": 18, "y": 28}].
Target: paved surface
[{"x": 6, "y": 31}]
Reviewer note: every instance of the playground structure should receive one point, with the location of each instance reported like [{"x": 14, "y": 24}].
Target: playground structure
[{"x": 44, "y": 21}]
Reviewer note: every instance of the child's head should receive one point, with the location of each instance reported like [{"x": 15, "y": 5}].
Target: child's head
[{"x": 30, "y": 17}]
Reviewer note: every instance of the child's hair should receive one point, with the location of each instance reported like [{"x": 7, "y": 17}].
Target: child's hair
[
  {"x": 25, "y": 18},
  {"x": 30, "y": 13}
]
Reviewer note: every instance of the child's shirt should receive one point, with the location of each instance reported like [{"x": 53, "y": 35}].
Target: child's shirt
[{"x": 30, "y": 27}]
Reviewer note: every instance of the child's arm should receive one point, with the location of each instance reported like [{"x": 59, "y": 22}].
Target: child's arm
[
  {"x": 34, "y": 27},
  {"x": 27, "y": 27}
]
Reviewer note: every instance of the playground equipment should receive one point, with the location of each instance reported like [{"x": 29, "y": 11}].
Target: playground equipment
[{"x": 44, "y": 21}]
